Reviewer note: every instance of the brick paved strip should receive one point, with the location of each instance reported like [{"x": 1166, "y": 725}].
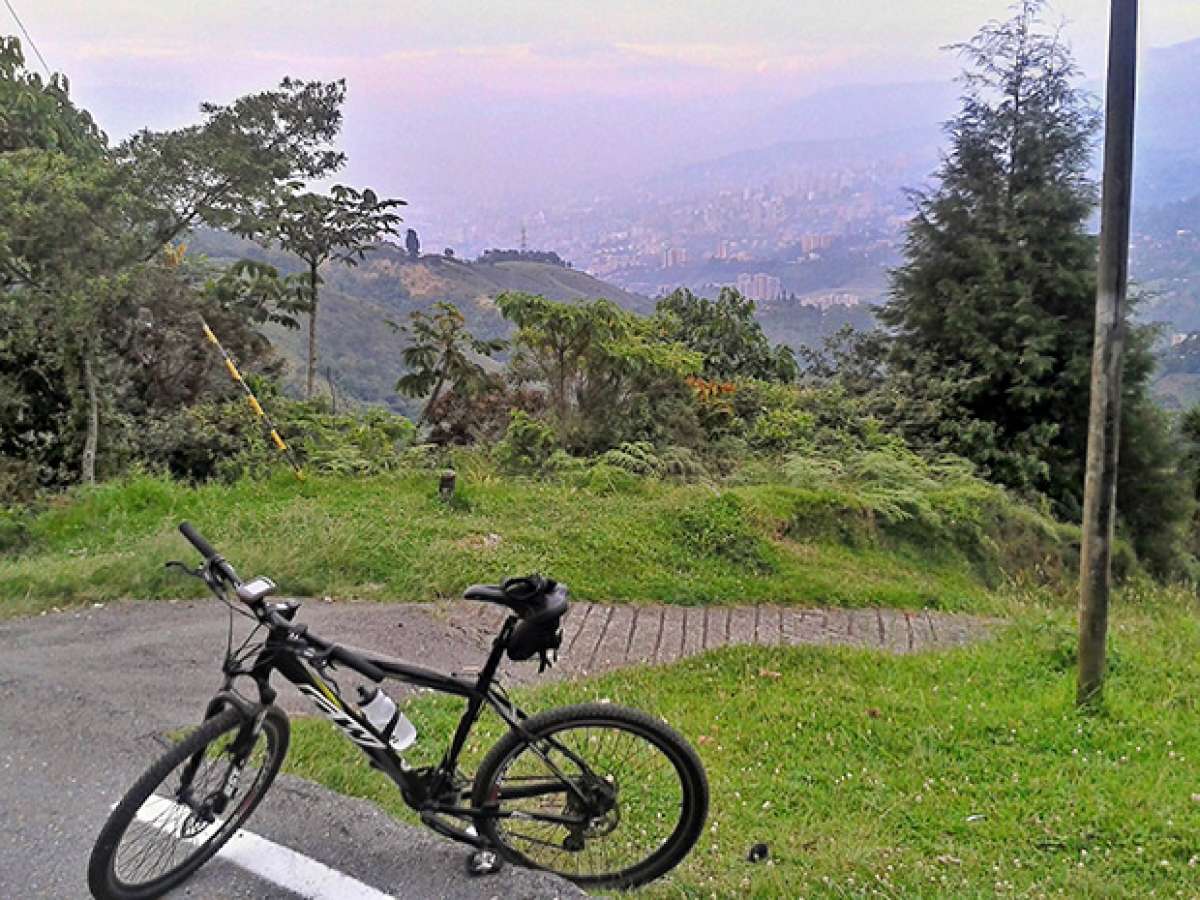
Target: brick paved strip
[
  {"x": 741, "y": 624},
  {"x": 693, "y": 636},
  {"x": 599, "y": 637},
  {"x": 573, "y": 624},
  {"x": 602, "y": 637},
  {"x": 670, "y": 643},
  {"x": 647, "y": 629}
]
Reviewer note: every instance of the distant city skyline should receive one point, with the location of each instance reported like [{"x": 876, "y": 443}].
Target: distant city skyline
[{"x": 454, "y": 105}]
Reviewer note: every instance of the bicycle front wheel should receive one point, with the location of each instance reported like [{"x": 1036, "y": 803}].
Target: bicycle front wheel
[
  {"x": 187, "y": 805},
  {"x": 605, "y": 796}
]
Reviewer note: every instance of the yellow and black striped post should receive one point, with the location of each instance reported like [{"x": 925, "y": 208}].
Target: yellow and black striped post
[{"x": 232, "y": 368}]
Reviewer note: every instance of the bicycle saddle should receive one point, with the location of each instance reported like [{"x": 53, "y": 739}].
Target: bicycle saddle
[{"x": 530, "y": 597}]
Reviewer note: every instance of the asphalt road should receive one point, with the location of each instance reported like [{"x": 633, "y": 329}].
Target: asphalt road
[{"x": 86, "y": 698}]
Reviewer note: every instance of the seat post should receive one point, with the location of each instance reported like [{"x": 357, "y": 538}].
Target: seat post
[{"x": 488, "y": 672}]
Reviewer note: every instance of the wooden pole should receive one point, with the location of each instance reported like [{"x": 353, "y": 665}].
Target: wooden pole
[{"x": 1100, "y": 484}]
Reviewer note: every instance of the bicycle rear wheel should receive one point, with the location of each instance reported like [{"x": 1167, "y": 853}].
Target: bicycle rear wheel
[
  {"x": 186, "y": 806},
  {"x": 605, "y": 796}
]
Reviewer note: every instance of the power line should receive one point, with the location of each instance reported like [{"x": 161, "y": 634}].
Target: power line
[{"x": 28, "y": 39}]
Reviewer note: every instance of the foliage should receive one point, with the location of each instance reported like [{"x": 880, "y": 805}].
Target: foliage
[
  {"x": 225, "y": 440},
  {"x": 993, "y": 311},
  {"x": 81, "y": 250},
  {"x": 726, "y": 334},
  {"x": 242, "y": 160},
  {"x": 442, "y": 355},
  {"x": 527, "y": 445},
  {"x": 548, "y": 257},
  {"x": 39, "y": 113},
  {"x": 607, "y": 376},
  {"x": 480, "y": 416},
  {"x": 850, "y": 358}
]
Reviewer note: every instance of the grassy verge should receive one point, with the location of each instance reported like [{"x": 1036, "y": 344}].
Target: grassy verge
[
  {"x": 955, "y": 774},
  {"x": 623, "y": 539}
]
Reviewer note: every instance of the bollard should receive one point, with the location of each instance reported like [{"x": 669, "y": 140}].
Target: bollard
[{"x": 446, "y": 485}]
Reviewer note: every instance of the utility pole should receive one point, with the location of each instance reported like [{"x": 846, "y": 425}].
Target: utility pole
[{"x": 1104, "y": 420}]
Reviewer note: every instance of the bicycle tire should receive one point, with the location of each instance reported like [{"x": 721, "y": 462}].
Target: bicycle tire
[
  {"x": 103, "y": 879},
  {"x": 682, "y": 757}
]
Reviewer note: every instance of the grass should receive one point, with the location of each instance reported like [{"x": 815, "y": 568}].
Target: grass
[
  {"x": 389, "y": 537},
  {"x": 964, "y": 773}
]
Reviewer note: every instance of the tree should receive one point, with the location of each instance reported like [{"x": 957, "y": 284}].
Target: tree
[
  {"x": 992, "y": 310},
  {"x": 339, "y": 227},
  {"x": 83, "y": 220},
  {"x": 442, "y": 354},
  {"x": 608, "y": 374},
  {"x": 726, "y": 333},
  {"x": 240, "y": 164},
  {"x": 412, "y": 244},
  {"x": 39, "y": 113}
]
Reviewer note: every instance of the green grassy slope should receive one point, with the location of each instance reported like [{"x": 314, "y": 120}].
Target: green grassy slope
[{"x": 389, "y": 537}]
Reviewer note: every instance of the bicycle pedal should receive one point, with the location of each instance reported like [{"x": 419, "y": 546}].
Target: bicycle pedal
[{"x": 484, "y": 862}]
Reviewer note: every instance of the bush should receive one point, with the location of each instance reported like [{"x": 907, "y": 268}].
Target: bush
[
  {"x": 635, "y": 457},
  {"x": 226, "y": 440},
  {"x": 603, "y": 478},
  {"x": 778, "y": 430},
  {"x": 527, "y": 445}
]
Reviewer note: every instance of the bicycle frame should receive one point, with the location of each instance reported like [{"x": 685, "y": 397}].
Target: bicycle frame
[{"x": 301, "y": 660}]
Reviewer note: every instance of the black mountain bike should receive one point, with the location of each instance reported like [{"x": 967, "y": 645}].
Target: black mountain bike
[{"x": 605, "y": 796}]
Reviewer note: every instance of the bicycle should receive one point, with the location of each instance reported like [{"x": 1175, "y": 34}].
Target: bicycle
[{"x": 603, "y": 795}]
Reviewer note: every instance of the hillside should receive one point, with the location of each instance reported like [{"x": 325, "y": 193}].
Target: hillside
[{"x": 359, "y": 350}]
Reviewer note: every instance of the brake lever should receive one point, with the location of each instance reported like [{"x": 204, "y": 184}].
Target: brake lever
[{"x": 197, "y": 572}]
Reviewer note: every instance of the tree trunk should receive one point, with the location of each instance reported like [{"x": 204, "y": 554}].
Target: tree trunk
[
  {"x": 332, "y": 389},
  {"x": 87, "y": 473},
  {"x": 310, "y": 384},
  {"x": 437, "y": 392}
]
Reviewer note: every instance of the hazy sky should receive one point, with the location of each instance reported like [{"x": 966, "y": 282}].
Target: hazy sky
[{"x": 452, "y": 101}]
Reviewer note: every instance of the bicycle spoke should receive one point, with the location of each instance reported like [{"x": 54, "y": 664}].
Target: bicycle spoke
[
  {"x": 647, "y": 805},
  {"x": 166, "y": 832}
]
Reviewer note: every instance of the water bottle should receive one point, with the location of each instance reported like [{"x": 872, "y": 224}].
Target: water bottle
[{"x": 381, "y": 712}]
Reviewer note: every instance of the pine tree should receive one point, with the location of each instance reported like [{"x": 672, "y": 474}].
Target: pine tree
[{"x": 992, "y": 310}]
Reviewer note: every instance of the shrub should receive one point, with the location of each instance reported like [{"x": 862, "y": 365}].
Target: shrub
[
  {"x": 635, "y": 457},
  {"x": 603, "y": 478},
  {"x": 779, "y": 430},
  {"x": 527, "y": 445}
]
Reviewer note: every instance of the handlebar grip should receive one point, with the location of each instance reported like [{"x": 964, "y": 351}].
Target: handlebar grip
[
  {"x": 197, "y": 541},
  {"x": 348, "y": 657}
]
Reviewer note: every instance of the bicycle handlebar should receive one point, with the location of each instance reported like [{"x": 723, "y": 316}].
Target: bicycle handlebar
[
  {"x": 211, "y": 556},
  {"x": 336, "y": 652},
  {"x": 197, "y": 541}
]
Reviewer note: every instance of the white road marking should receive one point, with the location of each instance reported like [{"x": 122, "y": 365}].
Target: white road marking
[{"x": 266, "y": 859}]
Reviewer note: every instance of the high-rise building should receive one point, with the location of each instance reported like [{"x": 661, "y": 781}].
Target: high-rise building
[
  {"x": 674, "y": 256},
  {"x": 760, "y": 286}
]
